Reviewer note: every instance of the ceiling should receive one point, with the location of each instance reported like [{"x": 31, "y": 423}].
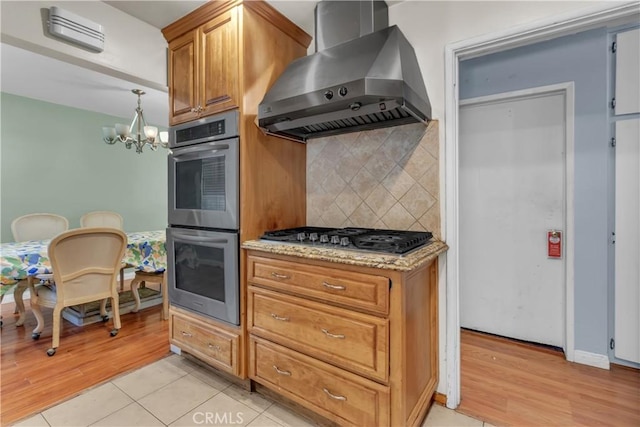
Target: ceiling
[{"x": 40, "y": 77}]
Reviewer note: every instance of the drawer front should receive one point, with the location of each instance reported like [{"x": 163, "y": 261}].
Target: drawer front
[
  {"x": 350, "y": 289},
  {"x": 214, "y": 346},
  {"x": 354, "y": 341},
  {"x": 338, "y": 395}
]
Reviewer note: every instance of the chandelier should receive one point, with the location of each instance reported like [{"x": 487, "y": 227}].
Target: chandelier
[{"x": 133, "y": 134}]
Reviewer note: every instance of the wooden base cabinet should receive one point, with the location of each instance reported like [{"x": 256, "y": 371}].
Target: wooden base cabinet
[
  {"x": 361, "y": 351},
  {"x": 205, "y": 340}
]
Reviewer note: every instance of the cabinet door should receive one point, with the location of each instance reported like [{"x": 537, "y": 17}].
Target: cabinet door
[
  {"x": 627, "y": 70},
  {"x": 219, "y": 78},
  {"x": 183, "y": 82}
]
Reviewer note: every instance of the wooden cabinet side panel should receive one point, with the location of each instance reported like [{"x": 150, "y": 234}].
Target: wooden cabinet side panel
[
  {"x": 182, "y": 78},
  {"x": 273, "y": 185},
  {"x": 421, "y": 345},
  {"x": 219, "y": 67}
]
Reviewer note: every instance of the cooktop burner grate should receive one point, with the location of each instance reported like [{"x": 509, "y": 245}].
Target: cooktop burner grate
[{"x": 367, "y": 239}]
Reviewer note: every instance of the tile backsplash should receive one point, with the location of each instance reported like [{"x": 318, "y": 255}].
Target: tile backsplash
[{"x": 384, "y": 178}]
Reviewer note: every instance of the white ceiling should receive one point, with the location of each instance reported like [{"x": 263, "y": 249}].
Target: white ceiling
[{"x": 40, "y": 77}]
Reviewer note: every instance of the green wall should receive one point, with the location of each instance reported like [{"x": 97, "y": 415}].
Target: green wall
[{"x": 53, "y": 159}]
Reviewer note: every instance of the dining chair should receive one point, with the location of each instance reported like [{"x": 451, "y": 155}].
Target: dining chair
[
  {"x": 114, "y": 219},
  {"x": 105, "y": 219},
  {"x": 102, "y": 219},
  {"x": 85, "y": 263},
  {"x": 35, "y": 226}
]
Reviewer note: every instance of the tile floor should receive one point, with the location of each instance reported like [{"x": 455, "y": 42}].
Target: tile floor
[{"x": 177, "y": 392}]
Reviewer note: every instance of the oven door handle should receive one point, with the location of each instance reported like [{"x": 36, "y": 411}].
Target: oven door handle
[
  {"x": 198, "y": 239},
  {"x": 194, "y": 152}
]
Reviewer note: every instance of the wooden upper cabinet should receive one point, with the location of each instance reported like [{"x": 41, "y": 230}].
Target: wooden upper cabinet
[
  {"x": 219, "y": 77},
  {"x": 203, "y": 69},
  {"x": 183, "y": 83}
]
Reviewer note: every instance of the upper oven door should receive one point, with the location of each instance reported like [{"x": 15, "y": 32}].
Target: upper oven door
[{"x": 203, "y": 185}]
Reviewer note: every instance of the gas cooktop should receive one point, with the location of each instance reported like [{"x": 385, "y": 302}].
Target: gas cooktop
[{"x": 363, "y": 239}]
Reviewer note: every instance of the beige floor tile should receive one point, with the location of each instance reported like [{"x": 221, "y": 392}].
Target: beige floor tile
[
  {"x": 220, "y": 410},
  {"x": 176, "y": 399},
  {"x": 254, "y": 401},
  {"x": 439, "y": 416},
  {"x": 263, "y": 421},
  {"x": 182, "y": 363},
  {"x": 133, "y": 415},
  {"x": 35, "y": 421},
  {"x": 87, "y": 408},
  {"x": 209, "y": 376},
  {"x": 152, "y": 377},
  {"x": 285, "y": 417}
]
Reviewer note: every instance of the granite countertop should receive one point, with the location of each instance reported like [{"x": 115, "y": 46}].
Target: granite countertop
[{"x": 364, "y": 259}]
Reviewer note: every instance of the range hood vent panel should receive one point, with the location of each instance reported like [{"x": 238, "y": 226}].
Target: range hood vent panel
[{"x": 370, "y": 82}]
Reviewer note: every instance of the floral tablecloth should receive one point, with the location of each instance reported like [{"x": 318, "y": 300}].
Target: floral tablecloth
[{"x": 145, "y": 251}]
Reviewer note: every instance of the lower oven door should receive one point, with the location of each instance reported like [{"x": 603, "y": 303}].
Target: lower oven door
[{"x": 203, "y": 272}]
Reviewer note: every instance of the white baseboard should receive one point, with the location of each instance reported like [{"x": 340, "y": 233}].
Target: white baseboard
[
  {"x": 175, "y": 349},
  {"x": 8, "y": 298},
  {"x": 592, "y": 359}
]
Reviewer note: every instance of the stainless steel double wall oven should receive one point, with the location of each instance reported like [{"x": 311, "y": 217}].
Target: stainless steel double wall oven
[{"x": 202, "y": 237}]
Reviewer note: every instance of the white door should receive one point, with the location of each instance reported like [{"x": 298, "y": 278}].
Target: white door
[
  {"x": 627, "y": 247},
  {"x": 512, "y": 191}
]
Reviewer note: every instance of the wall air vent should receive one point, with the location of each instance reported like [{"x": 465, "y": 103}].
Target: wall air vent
[{"x": 75, "y": 29}]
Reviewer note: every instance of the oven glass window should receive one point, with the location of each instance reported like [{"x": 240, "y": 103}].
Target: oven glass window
[
  {"x": 201, "y": 184},
  {"x": 200, "y": 270}
]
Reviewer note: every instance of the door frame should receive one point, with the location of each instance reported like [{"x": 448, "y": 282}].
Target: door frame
[
  {"x": 566, "y": 89},
  {"x": 545, "y": 29}
]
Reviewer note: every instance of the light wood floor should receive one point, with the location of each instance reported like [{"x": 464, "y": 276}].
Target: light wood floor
[
  {"x": 506, "y": 382},
  {"x": 30, "y": 381}
]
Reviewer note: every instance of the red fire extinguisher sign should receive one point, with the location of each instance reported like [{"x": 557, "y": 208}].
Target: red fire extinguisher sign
[{"x": 554, "y": 244}]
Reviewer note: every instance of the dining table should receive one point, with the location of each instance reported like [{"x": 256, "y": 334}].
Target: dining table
[{"x": 22, "y": 263}]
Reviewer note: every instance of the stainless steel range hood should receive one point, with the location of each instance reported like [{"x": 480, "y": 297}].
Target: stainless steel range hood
[{"x": 365, "y": 75}]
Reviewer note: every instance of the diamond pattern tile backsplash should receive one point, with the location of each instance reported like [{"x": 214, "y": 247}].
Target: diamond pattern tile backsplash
[{"x": 384, "y": 178}]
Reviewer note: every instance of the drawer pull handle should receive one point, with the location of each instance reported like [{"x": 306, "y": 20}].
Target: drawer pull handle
[
  {"x": 214, "y": 347},
  {"x": 283, "y": 319},
  {"x": 281, "y": 372},
  {"x": 280, "y": 276},
  {"x": 330, "y": 335},
  {"x": 336, "y": 287},
  {"x": 334, "y": 396},
  {"x": 186, "y": 334}
]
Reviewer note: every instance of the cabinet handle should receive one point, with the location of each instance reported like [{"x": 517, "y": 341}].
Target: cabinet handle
[
  {"x": 330, "y": 335},
  {"x": 214, "y": 347},
  {"x": 186, "y": 334},
  {"x": 334, "y": 396},
  {"x": 280, "y": 276},
  {"x": 281, "y": 372},
  {"x": 194, "y": 110},
  {"x": 275, "y": 316},
  {"x": 336, "y": 287}
]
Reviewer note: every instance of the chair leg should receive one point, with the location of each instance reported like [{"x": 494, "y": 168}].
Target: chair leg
[
  {"x": 103, "y": 310},
  {"x": 17, "y": 296},
  {"x": 35, "y": 307},
  {"x": 55, "y": 342},
  {"x": 115, "y": 303},
  {"x": 135, "y": 284}
]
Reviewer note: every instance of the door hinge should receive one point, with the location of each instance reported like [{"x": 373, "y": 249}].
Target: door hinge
[
  {"x": 613, "y": 103},
  {"x": 614, "y": 47},
  {"x": 613, "y": 142},
  {"x": 612, "y": 344},
  {"x": 613, "y": 237}
]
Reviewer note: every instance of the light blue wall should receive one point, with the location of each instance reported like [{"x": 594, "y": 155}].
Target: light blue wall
[
  {"x": 583, "y": 59},
  {"x": 53, "y": 160}
]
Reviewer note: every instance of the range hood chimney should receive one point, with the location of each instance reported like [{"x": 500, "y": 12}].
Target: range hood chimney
[{"x": 364, "y": 75}]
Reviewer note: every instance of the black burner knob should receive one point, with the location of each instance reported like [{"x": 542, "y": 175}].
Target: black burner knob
[{"x": 328, "y": 94}]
